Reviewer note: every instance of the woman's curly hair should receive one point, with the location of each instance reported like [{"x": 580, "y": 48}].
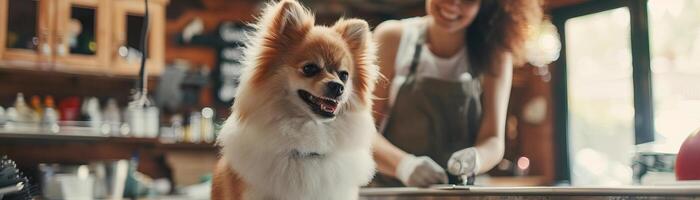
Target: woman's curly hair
[{"x": 501, "y": 26}]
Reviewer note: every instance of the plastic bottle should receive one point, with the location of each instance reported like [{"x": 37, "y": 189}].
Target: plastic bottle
[
  {"x": 3, "y": 117},
  {"x": 195, "y": 127},
  {"x": 37, "y": 109},
  {"x": 91, "y": 108},
  {"x": 112, "y": 117},
  {"x": 208, "y": 125},
  {"x": 50, "y": 118},
  {"x": 23, "y": 114},
  {"x": 152, "y": 123}
]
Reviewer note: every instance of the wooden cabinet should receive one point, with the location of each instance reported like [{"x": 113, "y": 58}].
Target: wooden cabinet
[
  {"x": 25, "y": 31},
  {"x": 127, "y": 21},
  {"x": 87, "y": 36},
  {"x": 81, "y": 35}
]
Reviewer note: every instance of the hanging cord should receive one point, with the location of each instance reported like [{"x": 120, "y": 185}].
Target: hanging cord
[{"x": 141, "y": 96}]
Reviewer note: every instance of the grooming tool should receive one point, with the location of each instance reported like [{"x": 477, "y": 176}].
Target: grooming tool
[
  {"x": 13, "y": 184},
  {"x": 467, "y": 178}
]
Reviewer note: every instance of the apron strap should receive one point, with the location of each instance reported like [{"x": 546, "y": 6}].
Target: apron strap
[
  {"x": 414, "y": 60},
  {"x": 412, "y": 68},
  {"x": 418, "y": 49}
]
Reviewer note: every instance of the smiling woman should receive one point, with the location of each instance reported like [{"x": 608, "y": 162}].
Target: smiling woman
[{"x": 450, "y": 76}]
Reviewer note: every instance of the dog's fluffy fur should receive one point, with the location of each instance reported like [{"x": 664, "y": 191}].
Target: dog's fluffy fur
[{"x": 275, "y": 145}]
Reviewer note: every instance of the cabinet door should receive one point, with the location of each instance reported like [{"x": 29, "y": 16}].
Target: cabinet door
[
  {"x": 128, "y": 20},
  {"x": 26, "y": 31},
  {"x": 82, "y": 35}
]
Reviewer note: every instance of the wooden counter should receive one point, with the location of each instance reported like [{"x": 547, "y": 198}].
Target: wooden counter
[{"x": 480, "y": 192}]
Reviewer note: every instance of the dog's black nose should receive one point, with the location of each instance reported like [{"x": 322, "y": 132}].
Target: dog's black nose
[{"x": 334, "y": 89}]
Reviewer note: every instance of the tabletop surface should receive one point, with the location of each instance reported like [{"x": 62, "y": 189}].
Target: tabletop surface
[{"x": 682, "y": 190}]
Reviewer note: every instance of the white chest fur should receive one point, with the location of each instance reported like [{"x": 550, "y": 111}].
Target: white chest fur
[{"x": 263, "y": 155}]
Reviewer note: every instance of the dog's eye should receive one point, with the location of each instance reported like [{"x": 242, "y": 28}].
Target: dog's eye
[
  {"x": 310, "y": 70},
  {"x": 343, "y": 75}
]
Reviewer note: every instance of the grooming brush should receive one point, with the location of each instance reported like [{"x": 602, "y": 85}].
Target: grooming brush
[{"x": 13, "y": 184}]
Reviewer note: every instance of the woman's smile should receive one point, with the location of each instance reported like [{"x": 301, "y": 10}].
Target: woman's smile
[{"x": 450, "y": 13}]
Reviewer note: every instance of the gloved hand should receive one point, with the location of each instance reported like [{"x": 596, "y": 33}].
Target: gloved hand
[
  {"x": 464, "y": 162},
  {"x": 420, "y": 171}
]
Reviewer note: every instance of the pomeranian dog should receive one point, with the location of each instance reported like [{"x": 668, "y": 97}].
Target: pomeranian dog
[{"x": 301, "y": 126}]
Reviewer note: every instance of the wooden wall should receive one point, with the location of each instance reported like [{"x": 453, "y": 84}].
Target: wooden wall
[{"x": 534, "y": 141}]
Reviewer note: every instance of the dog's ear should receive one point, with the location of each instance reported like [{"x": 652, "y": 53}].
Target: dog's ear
[
  {"x": 286, "y": 22},
  {"x": 281, "y": 26},
  {"x": 359, "y": 39},
  {"x": 355, "y": 32}
]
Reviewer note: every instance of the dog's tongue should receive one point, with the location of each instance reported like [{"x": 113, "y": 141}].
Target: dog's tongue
[{"x": 328, "y": 108}]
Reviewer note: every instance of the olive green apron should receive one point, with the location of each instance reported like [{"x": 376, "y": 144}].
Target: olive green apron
[{"x": 433, "y": 117}]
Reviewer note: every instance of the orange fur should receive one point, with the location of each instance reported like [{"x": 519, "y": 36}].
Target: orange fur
[
  {"x": 288, "y": 34},
  {"x": 226, "y": 184},
  {"x": 363, "y": 53}
]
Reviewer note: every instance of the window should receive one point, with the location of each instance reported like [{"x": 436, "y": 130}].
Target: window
[
  {"x": 674, "y": 29},
  {"x": 600, "y": 97},
  {"x": 603, "y": 90}
]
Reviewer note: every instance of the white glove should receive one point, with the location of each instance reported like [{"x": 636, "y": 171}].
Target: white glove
[
  {"x": 420, "y": 171},
  {"x": 464, "y": 162}
]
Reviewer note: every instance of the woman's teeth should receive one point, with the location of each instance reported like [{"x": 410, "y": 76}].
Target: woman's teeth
[{"x": 449, "y": 15}]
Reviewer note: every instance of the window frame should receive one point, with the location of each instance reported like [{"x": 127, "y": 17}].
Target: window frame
[{"x": 641, "y": 76}]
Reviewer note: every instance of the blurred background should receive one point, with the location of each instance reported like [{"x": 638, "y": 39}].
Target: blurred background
[{"x": 607, "y": 96}]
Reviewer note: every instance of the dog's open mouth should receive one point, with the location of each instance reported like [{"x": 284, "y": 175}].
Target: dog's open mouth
[{"x": 320, "y": 105}]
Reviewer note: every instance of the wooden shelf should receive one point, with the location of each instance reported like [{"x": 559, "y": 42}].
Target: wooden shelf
[
  {"x": 63, "y": 71},
  {"x": 187, "y": 146},
  {"x": 8, "y": 136},
  {"x": 29, "y": 149},
  {"x": 29, "y": 138}
]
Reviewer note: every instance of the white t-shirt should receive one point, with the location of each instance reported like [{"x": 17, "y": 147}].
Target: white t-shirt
[{"x": 453, "y": 68}]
